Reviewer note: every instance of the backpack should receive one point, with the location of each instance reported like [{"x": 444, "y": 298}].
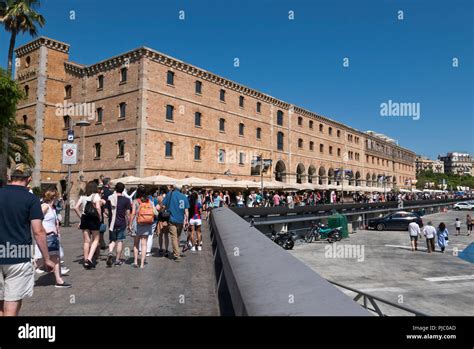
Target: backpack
[
  {"x": 145, "y": 213},
  {"x": 90, "y": 210}
]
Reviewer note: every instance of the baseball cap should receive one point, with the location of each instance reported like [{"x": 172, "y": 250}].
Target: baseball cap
[{"x": 21, "y": 171}]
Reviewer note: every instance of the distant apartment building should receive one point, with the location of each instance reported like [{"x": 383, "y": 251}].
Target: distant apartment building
[
  {"x": 459, "y": 163},
  {"x": 422, "y": 163},
  {"x": 151, "y": 113}
]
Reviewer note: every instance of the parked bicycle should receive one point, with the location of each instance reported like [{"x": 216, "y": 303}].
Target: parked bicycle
[{"x": 321, "y": 232}]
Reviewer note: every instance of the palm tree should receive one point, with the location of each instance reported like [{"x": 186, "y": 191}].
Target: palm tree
[
  {"x": 18, "y": 152},
  {"x": 19, "y": 16}
]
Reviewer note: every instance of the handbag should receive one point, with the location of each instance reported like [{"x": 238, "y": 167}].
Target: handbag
[
  {"x": 53, "y": 242},
  {"x": 103, "y": 228},
  {"x": 164, "y": 216}
]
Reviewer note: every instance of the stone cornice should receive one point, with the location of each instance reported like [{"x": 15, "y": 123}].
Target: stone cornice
[
  {"x": 42, "y": 41},
  {"x": 155, "y": 56}
]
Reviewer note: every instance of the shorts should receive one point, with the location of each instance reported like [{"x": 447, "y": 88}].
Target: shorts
[
  {"x": 117, "y": 235},
  {"x": 414, "y": 238},
  {"x": 458, "y": 228},
  {"x": 16, "y": 281},
  {"x": 143, "y": 230},
  {"x": 90, "y": 223},
  {"x": 195, "y": 221}
]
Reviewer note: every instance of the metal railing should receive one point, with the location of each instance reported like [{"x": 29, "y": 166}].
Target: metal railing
[{"x": 366, "y": 297}]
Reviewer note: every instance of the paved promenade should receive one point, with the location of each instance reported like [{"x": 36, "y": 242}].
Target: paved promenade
[
  {"x": 435, "y": 284},
  {"x": 164, "y": 287}
]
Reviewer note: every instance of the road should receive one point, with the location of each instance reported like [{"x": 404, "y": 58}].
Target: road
[{"x": 435, "y": 284}]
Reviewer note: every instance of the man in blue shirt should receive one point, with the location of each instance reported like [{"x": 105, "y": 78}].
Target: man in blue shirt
[
  {"x": 20, "y": 212},
  {"x": 178, "y": 205}
]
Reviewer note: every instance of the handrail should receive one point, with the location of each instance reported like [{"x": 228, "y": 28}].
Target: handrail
[{"x": 372, "y": 299}]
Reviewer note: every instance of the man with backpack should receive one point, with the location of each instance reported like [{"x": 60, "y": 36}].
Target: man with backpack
[{"x": 176, "y": 205}]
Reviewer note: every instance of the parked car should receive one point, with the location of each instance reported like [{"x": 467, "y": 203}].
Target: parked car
[
  {"x": 464, "y": 206},
  {"x": 395, "y": 221}
]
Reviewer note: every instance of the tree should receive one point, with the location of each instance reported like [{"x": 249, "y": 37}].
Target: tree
[
  {"x": 18, "y": 152},
  {"x": 19, "y": 16},
  {"x": 10, "y": 95}
]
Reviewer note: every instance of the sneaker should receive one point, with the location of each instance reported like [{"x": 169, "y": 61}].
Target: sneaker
[
  {"x": 148, "y": 254},
  {"x": 199, "y": 248},
  {"x": 64, "y": 270},
  {"x": 110, "y": 260},
  {"x": 176, "y": 259},
  {"x": 63, "y": 285},
  {"x": 193, "y": 249},
  {"x": 118, "y": 263},
  {"x": 167, "y": 254}
]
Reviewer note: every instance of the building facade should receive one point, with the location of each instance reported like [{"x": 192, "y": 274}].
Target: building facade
[
  {"x": 151, "y": 113},
  {"x": 457, "y": 163},
  {"x": 422, "y": 163}
]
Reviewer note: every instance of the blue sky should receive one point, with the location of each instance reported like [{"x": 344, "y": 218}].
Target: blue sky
[{"x": 301, "y": 61}]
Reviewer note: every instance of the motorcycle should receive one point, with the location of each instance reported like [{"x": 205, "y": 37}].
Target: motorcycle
[
  {"x": 284, "y": 239},
  {"x": 320, "y": 231}
]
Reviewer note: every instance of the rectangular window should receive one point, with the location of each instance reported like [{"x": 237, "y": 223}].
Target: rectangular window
[
  {"x": 198, "y": 87},
  {"x": 338, "y": 151},
  {"x": 221, "y": 157},
  {"x": 97, "y": 147},
  {"x": 241, "y": 101},
  {"x": 222, "y": 95},
  {"x": 123, "y": 75},
  {"x": 259, "y": 107},
  {"x": 259, "y": 133},
  {"x": 197, "y": 119},
  {"x": 170, "y": 78},
  {"x": 311, "y": 145},
  {"x": 100, "y": 82},
  {"x": 321, "y": 148},
  {"x": 197, "y": 152},
  {"x": 222, "y": 125},
  {"x": 68, "y": 91},
  {"x": 122, "y": 110},
  {"x": 280, "y": 137},
  {"x": 121, "y": 148},
  {"x": 330, "y": 150},
  {"x": 168, "y": 149},
  {"x": 280, "y": 118},
  {"x": 300, "y": 121},
  {"x": 241, "y": 129},
  {"x": 311, "y": 123},
  {"x": 169, "y": 112},
  {"x": 100, "y": 114},
  {"x": 241, "y": 158}
]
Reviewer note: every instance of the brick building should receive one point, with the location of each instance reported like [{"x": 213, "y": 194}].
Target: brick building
[{"x": 151, "y": 113}]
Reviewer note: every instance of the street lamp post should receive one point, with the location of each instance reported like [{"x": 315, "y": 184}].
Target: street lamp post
[{"x": 67, "y": 209}]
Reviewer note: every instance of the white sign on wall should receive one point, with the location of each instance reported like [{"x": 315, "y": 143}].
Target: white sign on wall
[{"x": 69, "y": 154}]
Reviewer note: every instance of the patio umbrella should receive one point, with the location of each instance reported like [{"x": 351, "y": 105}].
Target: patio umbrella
[
  {"x": 124, "y": 180},
  {"x": 197, "y": 182}
]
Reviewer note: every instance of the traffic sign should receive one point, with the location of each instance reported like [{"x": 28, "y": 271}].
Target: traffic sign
[
  {"x": 69, "y": 154},
  {"x": 70, "y": 136}
]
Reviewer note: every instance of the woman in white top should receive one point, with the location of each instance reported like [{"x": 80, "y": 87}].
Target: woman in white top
[
  {"x": 51, "y": 226},
  {"x": 88, "y": 209}
]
